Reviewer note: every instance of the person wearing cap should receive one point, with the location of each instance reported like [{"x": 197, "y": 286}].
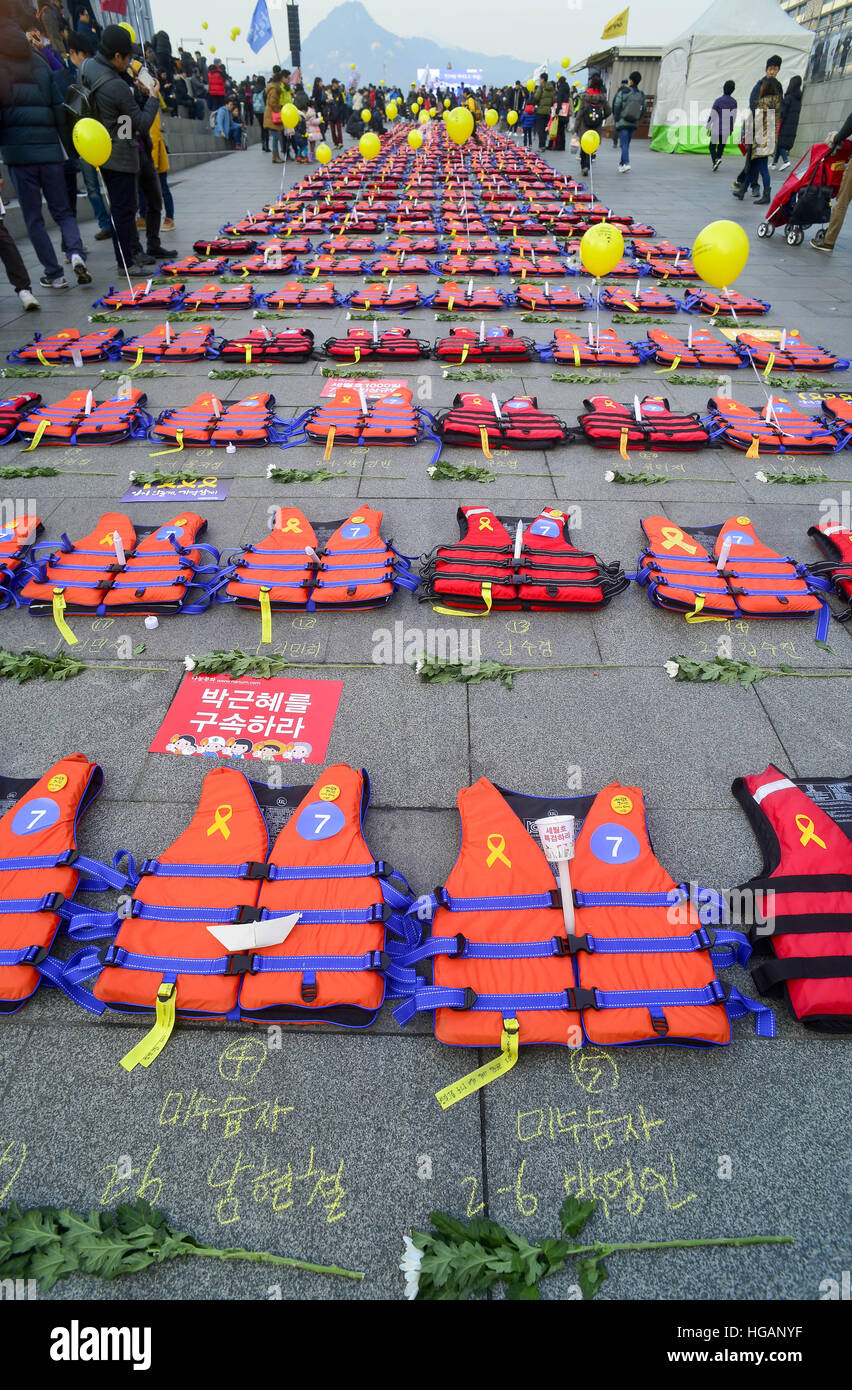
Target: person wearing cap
[
  {"x": 111, "y": 93},
  {"x": 80, "y": 47}
]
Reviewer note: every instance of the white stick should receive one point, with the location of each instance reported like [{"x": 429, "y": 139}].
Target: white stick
[
  {"x": 118, "y": 547},
  {"x": 725, "y": 551},
  {"x": 519, "y": 539},
  {"x": 557, "y": 840}
]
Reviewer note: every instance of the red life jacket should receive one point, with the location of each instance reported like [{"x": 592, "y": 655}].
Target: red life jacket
[
  {"x": 288, "y": 345},
  {"x": 336, "y": 265},
  {"x": 13, "y": 411},
  {"x": 96, "y": 346},
  {"x": 681, "y": 570},
  {"x": 479, "y": 297},
  {"x": 15, "y": 541},
  {"x": 612, "y": 426},
  {"x": 644, "y": 301},
  {"x": 362, "y": 345},
  {"x": 803, "y": 829},
  {"x": 219, "y": 297},
  {"x": 274, "y": 264},
  {"x": 522, "y": 266},
  {"x": 158, "y": 297},
  {"x": 391, "y": 419},
  {"x": 40, "y": 873},
  {"x": 671, "y": 270},
  {"x": 537, "y": 246},
  {"x": 225, "y": 246},
  {"x": 354, "y": 568},
  {"x": 794, "y": 356},
  {"x": 714, "y": 302},
  {"x": 349, "y": 245},
  {"x": 470, "y": 265},
  {"x": 402, "y": 264},
  {"x": 536, "y": 297},
  {"x": 836, "y": 543},
  {"x": 386, "y": 296},
  {"x": 194, "y": 265},
  {"x": 778, "y": 429},
  {"x": 296, "y": 296},
  {"x": 187, "y": 344},
  {"x": 421, "y": 245},
  {"x": 327, "y": 905},
  {"x": 285, "y": 242},
  {"x": 627, "y": 974},
  {"x": 473, "y": 420},
  {"x": 87, "y": 575},
  {"x": 486, "y": 345},
  {"x": 608, "y": 347},
  {"x": 106, "y": 423},
  {"x": 481, "y": 571},
  {"x": 704, "y": 351}
]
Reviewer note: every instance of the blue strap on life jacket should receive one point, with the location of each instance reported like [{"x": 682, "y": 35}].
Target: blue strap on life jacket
[
  {"x": 655, "y": 1000},
  {"x": 258, "y": 869},
  {"x": 96, "y": 876},
  {"x": 739, "y": 1006}
]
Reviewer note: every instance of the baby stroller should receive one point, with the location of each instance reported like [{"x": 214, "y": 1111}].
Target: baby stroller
[{"x": 805, "y": 195}]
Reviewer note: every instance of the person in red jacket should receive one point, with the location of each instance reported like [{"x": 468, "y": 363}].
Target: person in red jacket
[{"x": 216, "y": 86}]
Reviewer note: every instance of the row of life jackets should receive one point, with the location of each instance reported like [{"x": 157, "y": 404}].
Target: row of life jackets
[
  {"x": 648, "y": 424},
  {"x": 505, "y": 564},
  {"x": 780, "y": 428},
  {"x": 349, "y": 417},
  {"x": 703, "y": 350},
  {"x": 69, "y": 345},
  {"x": 79, "y": 419}
]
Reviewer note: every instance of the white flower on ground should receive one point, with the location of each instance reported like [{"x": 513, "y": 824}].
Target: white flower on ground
[
  {"x": 761, "y": 477},
  {"x": 609, "y": 476},
  {"x": 409, "y": 1265},
  {"x": 431, "y": 472},
  {"x": 132, "y": 476},
  {"x": 672, "y": 669},
  {"x": 270, "y": 469},
  {"x": 189, "y": 663},
  {"x": 418, "y": 665}
]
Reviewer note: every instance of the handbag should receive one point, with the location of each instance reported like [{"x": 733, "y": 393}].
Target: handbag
[{"x": 276, "y": 117}]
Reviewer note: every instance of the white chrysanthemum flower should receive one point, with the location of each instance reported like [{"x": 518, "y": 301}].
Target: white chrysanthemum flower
[
  {"x": 132, "y": 476},
  {"x": 761, "y": 477},
  {"x": 672, "y": 669},
  {"x": 609, "y": 476},
  {"x": 431, "y": 472},
  {"x": 189, "y": 663},
  {"x": 409, "y": 1265}
]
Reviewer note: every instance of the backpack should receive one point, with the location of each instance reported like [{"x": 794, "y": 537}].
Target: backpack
[
  {"x": 632, "y": 106},
  {"x": 79, "y": 103},
  {"x": 258, "y": 104},
  {"x": 594, "y": 110}
]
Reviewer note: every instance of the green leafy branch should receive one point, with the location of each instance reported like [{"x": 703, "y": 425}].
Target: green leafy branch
[
  {"x": 583, "y": 378},
  {"x": 29, "y": 665},
  {"x": 436, "y": 671},
  {"x": 459, "y": 1258},
  {"x": 796, "y": 479},
  {"x": 49, "y": 1244},
  {"x": 461, "y": 473},
  {"x": 726, "y": 671},
  {"x": 239, "y": 663},
  {"x": 369, "y": 314},
  {"x": 303, "y": 475},
  {"x": 449, "y": 317},
  {"x": 238, "y": 373},
  {"x": 474, "y": 374},
  {"x": 543, "y": 318},
  {"x": 348, "y": 371},
  {"x": 27, "y": 372},
  {"x": 136, "y": 372},
  {"x": 173, "y": 314},
  {"x": 615, "y": 475},
  {"x": 270, "y": 314}
]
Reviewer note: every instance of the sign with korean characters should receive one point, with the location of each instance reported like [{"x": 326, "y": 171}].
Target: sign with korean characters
[{"x": 249, "y": 718}]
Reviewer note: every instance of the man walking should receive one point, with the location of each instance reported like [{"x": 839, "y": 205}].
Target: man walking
[
  {"x": 824, "y": 241},
  {"x": 628, "y": 108},
  {"x": 112, "y": 95},
  {"x": 81, "y": 47},
  {"x": 32, "y": 125},
  {"x": 545, "y": 96},
  {"x": 746, "y": 175}
]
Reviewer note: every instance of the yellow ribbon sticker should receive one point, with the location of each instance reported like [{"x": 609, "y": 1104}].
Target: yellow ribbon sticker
[
  {"x": 150, "y": 1047},
  {"x": 265, "y": 618},
  {"x": 220, "y": 822},
  {"x": 497, "y": 847},
  {"x": 485, "y": 523},
  {"x": 806, "y": 825},
  {"x": 673, "y": 536},
  {"x": 498, "y": 1066},
  {"x": 58, "y": 618},
  {"x": 292, "y": 525}
]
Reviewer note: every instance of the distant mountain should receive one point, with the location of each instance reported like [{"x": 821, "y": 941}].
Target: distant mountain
[{"x": 349, "y": 35}]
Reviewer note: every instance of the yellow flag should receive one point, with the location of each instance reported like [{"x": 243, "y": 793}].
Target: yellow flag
[{"x": 616, "y": 26}]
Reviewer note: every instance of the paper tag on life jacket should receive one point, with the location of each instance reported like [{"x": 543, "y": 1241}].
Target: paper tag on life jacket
[
  {"x": 90, "y": 400},
  {"x": 168, "y": 329},
  {"x": 118, "y": 547},
  {"x": 496, "y": 404},
  {"x": 77, "y": 357},
  {"x": 251, "y": 936},
  {"x": 148, "y": 286},
  {"x": 637, "y": 409},
  {"x": 689, "y": 336},
  {"x": 547, "y": 288},
  {"x": 557, "y": 837},
  {"x": 469, "y": 288}
]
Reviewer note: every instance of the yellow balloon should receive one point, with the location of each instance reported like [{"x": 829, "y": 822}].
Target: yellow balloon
[
  {"x": 601, "y": 248},
  {"x": 423, "y": 117},
  {"x": 352, "y": 66},
  {"x": 391, "y": 110},
  {"x": 512, "y": 117},
  {"x": 366, "y": 115},
  {"x": 719, "y": 254},
  {"x": 459, "y": 124},
  {"x": 447, "y": 102},
  {"x": 129, "y": 27},
  {"x": 433, "y": 113},
  {"x": 589, "y": 141},
  {"x": 212, "y": 48},
  {"x": 491, "y": 117},
  {"x": 415, "y": 107},
  {"x": 530, "y": 85},
  {"x": 323, "y": 154},
  {"x": 566, "y": 62},
  {"x": 415, "y": 139},
  {"x": 204, "y": 23},
  {"x": 92, "y": 141},
  {"x": 369, "y": 145},
  {"x": 290, "y": 116},
  {"x": 238, "y": 31},
  {"x": 445, "y": 115}
]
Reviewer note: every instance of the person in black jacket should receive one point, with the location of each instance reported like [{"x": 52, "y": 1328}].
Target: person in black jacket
[
  {"x": 112, "y": 95},
  {"x": 32, "y": 131},
  {"x": 824, "y": 241},
  {"x": 791, "y": 109},
  {"x": 336, "y": 112}
]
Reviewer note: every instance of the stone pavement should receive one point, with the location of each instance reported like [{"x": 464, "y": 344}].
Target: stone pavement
[{"x": 328, "y": 1145}]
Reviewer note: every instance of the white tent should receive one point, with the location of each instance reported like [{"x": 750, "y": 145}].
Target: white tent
[{"x": 733, "y": 40}]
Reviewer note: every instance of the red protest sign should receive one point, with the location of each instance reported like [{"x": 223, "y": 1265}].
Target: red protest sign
[
  {"x": 275, "y": 720},
  {"x": 376, "y": 389}
]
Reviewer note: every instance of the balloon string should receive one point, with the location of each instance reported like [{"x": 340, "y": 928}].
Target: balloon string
[{"x": 760, "y": 380}]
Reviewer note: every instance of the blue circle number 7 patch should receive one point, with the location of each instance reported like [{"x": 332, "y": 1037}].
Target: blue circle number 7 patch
[
  {"x": 38, "y": 814},
  {"x": 320, "y": 821},
  {"x": 614, "y": 844}
]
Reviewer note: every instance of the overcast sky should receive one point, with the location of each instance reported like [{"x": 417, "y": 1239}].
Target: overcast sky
[{"x": 537, "y": 30}]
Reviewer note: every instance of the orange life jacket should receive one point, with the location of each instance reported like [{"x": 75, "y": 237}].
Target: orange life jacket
[
  {"x": 296, "y": 296},
  {"x": 15, "y": 541},
  {"x": 723, "y": 571},
  {"x": 186, "y": 344},
  {"x": 607, "y": 347},
  {"x": 273, "y": 264},
  {"x": 714, "y": 302},
  {"x": 343, "y": 564},
  {"x": 703, "y": 350},
  {"x": 639, "y": 300},
  {"x": 220, "y": 927},
  {"x": 535, "y": 297},
  {"x": 793, "y": 356},
  {"x": 40, "y": 873},
  {"x": 481, "y": 571},
  {"x": 391, "y": 419},
  {"x": 219, "y": 297},
  {"x": 155, "y": 576},
  {"x": 403, "y": 262},
  {"x": 803, "y": 829},
  {"x": 484, "y": 345},
  {"x": 627, "y": 974},
  {"x": 777, "y": 429},
  {"x": 140, "y": 297},
  {"x": 193, "y": 265},
  {"x": 67, "y": 421},
  {"x": 248, "y": 422},
  {"x": 386, "y": 296},
  {"x": 205, "y": 423},
  {"x": 96, "y": 346},
  {"x": 479, "y": 297}
]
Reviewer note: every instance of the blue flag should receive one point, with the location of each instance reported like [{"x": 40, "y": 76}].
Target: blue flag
[{"x": 260, "y": 31}]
